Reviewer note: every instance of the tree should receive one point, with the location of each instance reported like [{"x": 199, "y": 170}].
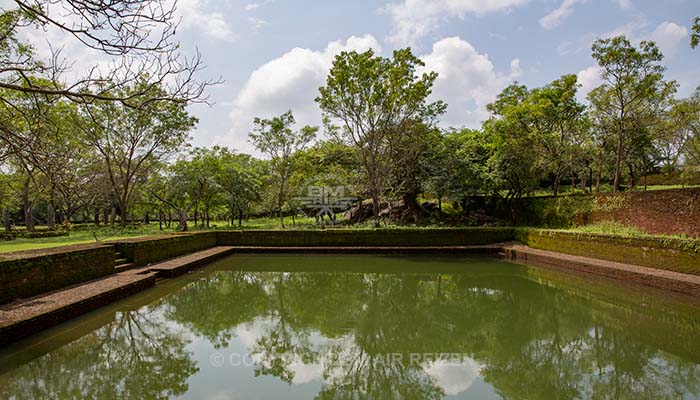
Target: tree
[
  {"x": 687, "y": 114},
  {"x": 276, "y": 139},
  {"x": 239, "y": 177},
  {"x": 632, "y": 78},
  {"x": 514, "y": 167},
  {"x": 130, "y": 141},
  {"x": 180, "y": 187},
  {"x": 376, "y": 100},
  {"x": 137, "y": 36},
  {"x": 558, "y": 119},
  {"x": 695, "y": 35}
]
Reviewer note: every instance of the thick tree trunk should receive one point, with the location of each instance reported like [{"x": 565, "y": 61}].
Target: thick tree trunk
[
  {"x": 97, "y": 217},
  {"x": 375, "y": 209},
  {"x": 183, "y": 221},
  {"x": 240, "y": 218},
  {"x": 51, "y": 216},
  {"x": 6, "y": 219},
  {"x": 122, "y": 216}
]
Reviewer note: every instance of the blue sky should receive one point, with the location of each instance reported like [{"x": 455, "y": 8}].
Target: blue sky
[{"x": 274, "y": 54}]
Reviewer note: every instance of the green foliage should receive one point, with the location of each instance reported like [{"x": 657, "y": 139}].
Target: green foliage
[
  {"x": 381, "y": 104},
  {"x": 695, "y": 33},
  {"x": 276, "y": 139},
  {"x": 629, "y": 102}
]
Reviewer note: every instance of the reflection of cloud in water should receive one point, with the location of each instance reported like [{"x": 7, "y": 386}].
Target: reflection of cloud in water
[
  {"x": 305, "y": 373},
  {"x": 250, "y": 333},
  {"x": 224, "y": 396},
  {"x": 451, "y": 377}
]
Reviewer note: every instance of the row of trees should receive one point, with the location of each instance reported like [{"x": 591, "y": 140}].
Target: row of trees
[{"x": 119, "y": 150}]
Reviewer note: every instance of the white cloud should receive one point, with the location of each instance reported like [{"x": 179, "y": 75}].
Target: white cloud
[
  {"x": 257, "y": 23},
  {"x": 554, "y": 18},
  {"x": 589, "y": 78},
  {"x": 414, "y": 19},
  {"x": 255, "y": 6},
  {"x": 194, "y": 15},
  {"x": 287, "y": 82},
  {"x": 624, "y": 4},
  {"x": 668, "y": 35},
  {"x": 467, "y": 80}
]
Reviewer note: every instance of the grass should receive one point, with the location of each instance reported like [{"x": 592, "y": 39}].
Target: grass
[
  {"x": 618, "y": 229},
  {"x": 87, "y": 234}
]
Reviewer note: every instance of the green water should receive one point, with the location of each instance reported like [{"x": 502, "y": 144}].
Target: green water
[{"x": 368, "y": 327}]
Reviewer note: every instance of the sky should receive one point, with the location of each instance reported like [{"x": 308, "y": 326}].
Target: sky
[{"x": 273, "y": 55}]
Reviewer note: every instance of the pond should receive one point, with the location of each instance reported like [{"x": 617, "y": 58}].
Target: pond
[{"x": 368, "y": 327}]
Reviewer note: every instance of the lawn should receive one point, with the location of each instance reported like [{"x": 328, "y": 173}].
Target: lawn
[{"x": 85, "y": 234}]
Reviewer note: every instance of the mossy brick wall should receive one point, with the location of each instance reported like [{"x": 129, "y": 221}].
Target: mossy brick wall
[
  {"x": 674, "y": 211},
  {"x": 670, "y": 212},
  {"x": 670, "y": 254},
  {"x": 142, "y": 251},
  {"x": 366, "y": 237},
  {"x": 28, "y": 273}
]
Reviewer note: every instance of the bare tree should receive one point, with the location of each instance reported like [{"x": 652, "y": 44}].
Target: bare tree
[{"x": 137, "y": 35}]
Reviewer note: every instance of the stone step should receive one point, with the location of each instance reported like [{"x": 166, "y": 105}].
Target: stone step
[
  {"x": 31, "y": 315},
  {"x": 180, "y": 265},
  {"x": 124, "y": 267}
]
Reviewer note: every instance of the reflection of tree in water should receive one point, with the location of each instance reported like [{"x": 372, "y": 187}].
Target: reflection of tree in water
[
  {"x": 134, "y": 357},
  {"x": 213, "y": 306},
  {"x": 530, "y": 340}
]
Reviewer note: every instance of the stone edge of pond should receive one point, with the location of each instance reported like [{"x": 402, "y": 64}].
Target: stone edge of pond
[
  {"x": 664, "y": 279},
  {"x": 666, "y": 263}
]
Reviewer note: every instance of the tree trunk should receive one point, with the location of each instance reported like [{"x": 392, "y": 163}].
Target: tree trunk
[
  {"x": 195, "y": 215},
  {"x": 122, "y": 216},
  {"x": 27, "y": 206},
  {"x": 633, "y": 180},
  {"x": 240, "y": 219},
  {"x": 51, "y": 216},
  {"x": 183, "y": 221},
  {"x": 146, "y": 218},
  {"x": 599, "y": 174},
  {"x": 6, "y": 219},
  {"x": 618, "y": 164},
  {"x": 112, "y": 216},
  {"x": 97, "y": 217}
]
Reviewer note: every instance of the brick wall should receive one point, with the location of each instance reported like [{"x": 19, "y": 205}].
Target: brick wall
[
  {"x": 142, "y": 251},
  {"x": 679, "y": 255},
  {"x": 658, "y": 212},
  {"x": 28, "y": 273},
  {"x": 367, "y": 237}
]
